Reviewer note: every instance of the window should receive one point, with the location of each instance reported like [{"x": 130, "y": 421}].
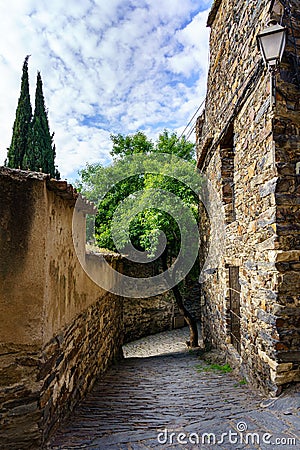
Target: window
[
  {"x": 234, "y": 317},
  {"x": 227, "y": 173}
]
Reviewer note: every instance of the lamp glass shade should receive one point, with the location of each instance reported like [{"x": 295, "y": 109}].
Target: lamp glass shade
[{"x": 271, "y": 43}]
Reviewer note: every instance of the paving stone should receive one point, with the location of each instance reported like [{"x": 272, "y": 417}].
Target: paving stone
[{"x": 150, "y": 392}]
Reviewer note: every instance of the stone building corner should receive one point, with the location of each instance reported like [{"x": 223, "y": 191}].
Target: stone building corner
[{"x": 250, "y": 152}]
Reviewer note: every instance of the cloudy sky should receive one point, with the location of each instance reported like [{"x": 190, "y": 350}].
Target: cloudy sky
[{"x": 108, "y": 66}]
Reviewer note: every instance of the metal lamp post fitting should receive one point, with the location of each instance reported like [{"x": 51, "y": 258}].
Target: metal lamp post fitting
[{"x": 271, "y": 43}]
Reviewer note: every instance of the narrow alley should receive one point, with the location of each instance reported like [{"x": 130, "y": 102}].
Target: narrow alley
[{"x": 164, "y": 396}]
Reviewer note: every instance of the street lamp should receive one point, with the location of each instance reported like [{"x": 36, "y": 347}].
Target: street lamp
[{"x": 271, "y": 43}]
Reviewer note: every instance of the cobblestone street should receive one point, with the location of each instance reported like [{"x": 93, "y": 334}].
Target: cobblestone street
[{"x": 163, "y": 396}]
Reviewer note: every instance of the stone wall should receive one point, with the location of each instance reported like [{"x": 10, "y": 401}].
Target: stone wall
[
  {"x": 250, "y": 152},
  {"x": 146, "y": 316},
  {"x": 74, "y": 358},
  {"x": 59, "y": 330}
]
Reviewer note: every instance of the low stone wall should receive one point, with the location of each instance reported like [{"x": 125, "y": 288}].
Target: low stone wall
[
  {"x": 20, "y": 413},
  {"x": 145, "y": 316},
  {"x": 73, "y": 359},
  {"x": 40, "y": 388}
]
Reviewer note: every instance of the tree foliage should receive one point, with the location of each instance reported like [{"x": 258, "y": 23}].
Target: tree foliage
[
  {"x": 94, "y": 179},
  {"x": 40, "y": 151},
  {"x": 130, "y": 144},
  {"x": 21, "y": 127},
  {"x": 32, "y": 146},
  {"x": 140, "y": 206}
]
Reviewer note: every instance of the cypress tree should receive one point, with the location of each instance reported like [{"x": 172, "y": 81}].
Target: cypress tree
[
  {"x": 16, "y": 151},
  {"x": 40, "y": 152}
]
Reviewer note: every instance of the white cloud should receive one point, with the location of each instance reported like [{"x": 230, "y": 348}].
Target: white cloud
[
  {"x": 107, "y": 67},
  {"x": 192, "y": 40}
]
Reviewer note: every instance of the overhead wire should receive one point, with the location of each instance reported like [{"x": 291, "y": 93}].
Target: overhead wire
[
  {"x": 191, "y": 120},
  {"x": 192, "y": 129}
]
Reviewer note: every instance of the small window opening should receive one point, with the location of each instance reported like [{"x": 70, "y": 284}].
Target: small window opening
[
  {"x": 234, "y": 324},
  {"x": 227, "y": 174}
]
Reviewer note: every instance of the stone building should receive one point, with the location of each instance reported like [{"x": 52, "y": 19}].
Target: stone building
[{"x": 250, "y": 151}]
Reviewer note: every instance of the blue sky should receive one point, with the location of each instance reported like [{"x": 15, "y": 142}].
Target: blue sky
[{"x": 108, "y": 67}]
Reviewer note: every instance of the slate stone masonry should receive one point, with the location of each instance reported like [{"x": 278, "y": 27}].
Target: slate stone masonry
[
  {"x": 146, "y": 316},
  {"x": 59, "y": 330},
  {"x": 251, "y": 153}
]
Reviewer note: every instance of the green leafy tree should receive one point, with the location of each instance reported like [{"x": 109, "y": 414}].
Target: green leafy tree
[
  {"x": 145, "y": 225},
  {"x": 40, "y": 151},
  {"x": 130, "y": 144},
  {"x": 21, "y": 128},
  {"x": 177, "y": 146}
]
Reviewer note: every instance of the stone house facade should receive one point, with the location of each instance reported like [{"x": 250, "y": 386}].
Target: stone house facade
[{"x": 250, "y": 152}]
